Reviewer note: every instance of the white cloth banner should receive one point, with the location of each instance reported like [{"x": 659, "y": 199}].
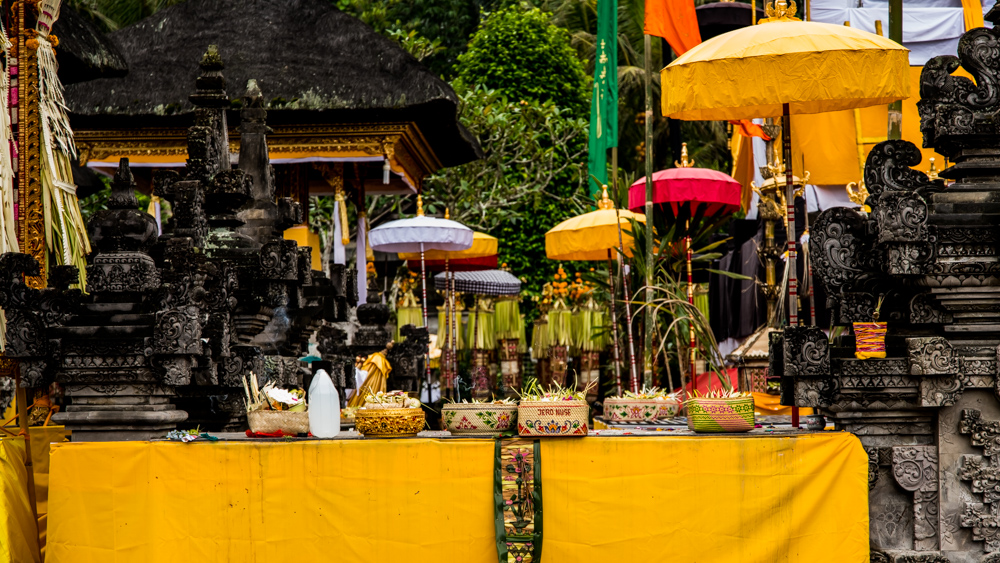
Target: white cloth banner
[
  {"x": 930, "y": 27},
  {"x": 361, "y": 263},
  {"x": 339, "y": 252}
]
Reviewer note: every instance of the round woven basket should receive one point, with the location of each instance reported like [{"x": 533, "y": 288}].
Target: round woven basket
[
  {"x": 625, "y": 409},
  {"x": 552, "y": 418},
  {"x": 479, "y": 419},
  {"x": 269, "y": 422},
  {"x": 720, "y": 415},
  {"x": 389, "y": 423}
]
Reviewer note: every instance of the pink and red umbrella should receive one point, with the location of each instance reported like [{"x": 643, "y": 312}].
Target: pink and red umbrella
[{"x": 693, "y": 187}]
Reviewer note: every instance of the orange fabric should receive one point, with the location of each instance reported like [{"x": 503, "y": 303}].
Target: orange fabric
[
  {"x": 972, "y": 12},
  {"x": 749, "y": 129},
  {"x": 675, "y": 21},
  {"x": 770, "y": 405},
  {"x": 742, "y": 149}
]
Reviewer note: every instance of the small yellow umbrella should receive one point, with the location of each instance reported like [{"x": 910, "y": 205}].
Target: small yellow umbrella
[
  {"x": 592, "y": 236},
  {"x": 785, "y": 67},
  {"x": 595, "y": 236},
  {"x": 483, "y": 246}
]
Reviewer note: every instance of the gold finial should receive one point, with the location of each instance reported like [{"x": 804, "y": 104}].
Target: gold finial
[
  {"x": 858, "y": 194},
  {"x": 932, "y": 174},
  {"x": 684, "y": 163},
  {"x": 447, "y": 213},
  {"x": 420, "y": 205},
  {"x": 605, "y": 202},
  {"x": 780, "y": 10}
]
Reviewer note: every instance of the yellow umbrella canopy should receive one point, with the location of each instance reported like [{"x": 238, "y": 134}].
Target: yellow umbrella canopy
[
  {"x": 813, "y": 67},
  {"x": 590, "y": 236},
  {"x": 482, "y": 245}
]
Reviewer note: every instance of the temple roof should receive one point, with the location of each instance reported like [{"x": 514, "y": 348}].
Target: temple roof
[
  {"x": 84, "y": 52},
  {"x": 313, "y": 63}
]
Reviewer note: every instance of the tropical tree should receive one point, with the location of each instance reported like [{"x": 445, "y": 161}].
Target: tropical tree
[{"x": 521, "y": 54}]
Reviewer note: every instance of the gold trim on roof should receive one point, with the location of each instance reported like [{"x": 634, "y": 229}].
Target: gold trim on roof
[{"x": 403, "y": 143}]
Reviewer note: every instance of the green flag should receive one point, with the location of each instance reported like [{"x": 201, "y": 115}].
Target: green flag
[{"x": 604, "y": 103}]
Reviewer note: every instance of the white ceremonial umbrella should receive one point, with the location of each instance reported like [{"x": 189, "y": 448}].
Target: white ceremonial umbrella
[{"x": 419, "y": 234}]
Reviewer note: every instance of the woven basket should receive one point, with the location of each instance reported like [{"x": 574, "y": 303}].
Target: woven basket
[
  {"x": 720, "y": 415},
  {"x": 472, "y": 419},
  {"x": 269, "y": 422},
  {"x": 869, "y": 340},
  {"x": 668, "y": 408},
  {"x": 625, "y": 409},
  {"x": 552, "y": 418},
  {"x": 389, "y": 423}
]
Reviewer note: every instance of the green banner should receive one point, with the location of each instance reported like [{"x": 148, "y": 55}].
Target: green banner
[{"x": 604, "y": 102}]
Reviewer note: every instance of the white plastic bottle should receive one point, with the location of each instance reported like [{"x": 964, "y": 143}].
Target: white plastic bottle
[{"x": 324, "y": 406}]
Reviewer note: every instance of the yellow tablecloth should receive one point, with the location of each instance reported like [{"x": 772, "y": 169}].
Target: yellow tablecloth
[
  {"x": 18, "y": 534},
  {"x": 665, "y": 499}
]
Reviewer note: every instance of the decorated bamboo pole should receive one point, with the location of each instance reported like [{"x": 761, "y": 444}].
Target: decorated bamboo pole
[
  {"x": 647, "y": 368},
  {"x": 634, "y": 379},
  {"x": 453, "y": 329},
  {"x": 614, "y": 325},
  {"x": 690, "y": 296}
]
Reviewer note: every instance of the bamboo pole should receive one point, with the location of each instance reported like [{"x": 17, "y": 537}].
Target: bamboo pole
[{"x": 647, "y": 363}]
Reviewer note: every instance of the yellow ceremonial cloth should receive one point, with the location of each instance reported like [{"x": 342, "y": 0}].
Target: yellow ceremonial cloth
[
  {"x": 770, "y": 405},
  {"x": 304, "y": 236},
  {"x": 746, "y": 500},
  {"x": 378, "y": 369},
  {"x": 18, "y": 533},
  {"x": 749, "y": 499}
]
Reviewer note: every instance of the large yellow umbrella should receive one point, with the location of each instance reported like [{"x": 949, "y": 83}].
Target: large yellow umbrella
[
  {"x": 783, "y": 67},
  {"x": 483, "y": 246},
  {"x": 595, "y": 236}
]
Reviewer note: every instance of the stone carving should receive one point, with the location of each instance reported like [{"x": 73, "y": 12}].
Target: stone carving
[
  {"x": 915, "y": 468},
  {"x": 872, "y": 467},
  {"x": 931, "y": 356},
  {"x": 983, "y": 472},
  {"x": 806, "y": 352}
]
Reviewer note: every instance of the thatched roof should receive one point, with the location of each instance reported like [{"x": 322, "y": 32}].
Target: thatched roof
[
  {"x": 84, "y": 52},
  {"x": 313, "y": 63}
]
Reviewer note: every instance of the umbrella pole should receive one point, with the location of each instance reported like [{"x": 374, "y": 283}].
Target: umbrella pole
[
  {"x": 793, "y": 289},
  {"x": 423, "y": 290},
  {"x": 446, "y": 345},
  {"x": 691, "y": 343},
  {"x": 793, "y": 306},
  {"x": 453, "y": 331},
  {"x": 614, "y": 325}
]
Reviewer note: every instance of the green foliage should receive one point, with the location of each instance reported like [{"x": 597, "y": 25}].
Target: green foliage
[
  {"x": 435, "y": 32},
  {"x": 531, "y": 178},
  {"x": 520, "y": 53}
]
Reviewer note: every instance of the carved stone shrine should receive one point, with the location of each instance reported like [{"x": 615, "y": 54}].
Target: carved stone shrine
[
  {"x": 171, "y": 324},
  {"x": 928, "y": 414}
]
